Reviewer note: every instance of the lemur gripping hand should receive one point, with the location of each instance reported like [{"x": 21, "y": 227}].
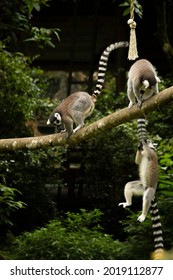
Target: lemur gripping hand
[{"x": 140, "y": 146}]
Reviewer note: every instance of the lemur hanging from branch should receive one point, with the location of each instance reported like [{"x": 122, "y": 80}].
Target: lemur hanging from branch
[{"x": 146, "y": 158}]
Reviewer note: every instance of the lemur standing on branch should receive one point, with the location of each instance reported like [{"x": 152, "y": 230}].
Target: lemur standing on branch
[
  {"x": 142, "y": 82},
  {"x": 79, "y": 105}
]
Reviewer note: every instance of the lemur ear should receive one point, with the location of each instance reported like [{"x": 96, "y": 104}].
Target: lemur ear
[
  {"x": 57, "y": 117},
  {"x": 146, "y": 84},
  {"x": 157, "y": 79},
  {"x": 48, "y": 122}
]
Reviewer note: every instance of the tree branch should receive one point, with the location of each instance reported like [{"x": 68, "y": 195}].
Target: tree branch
[{"x": 102, "y": 125}]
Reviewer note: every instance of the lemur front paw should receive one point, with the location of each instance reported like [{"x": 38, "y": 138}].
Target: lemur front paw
[
  {"x": 130, "y": 104},
  {"x": 139, "y": 104}
]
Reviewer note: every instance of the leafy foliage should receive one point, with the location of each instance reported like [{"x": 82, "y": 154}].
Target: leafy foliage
[
  {"x": 111, "y": 153},
  {"x": 165, "y": 189},
  {"x": 30, "y": 172},
  {"x": 137, "y": 8},
  {"x": 8, "y": 203},
  {"x": 69, "y": 239},
  {"x": 16, "y": 15},
  {"x": 22, "y": 97},
  {"x": 20, "y": 93},
  {"x": 166, "y": 168},
  {"x": 43, "y": 36},
  {"x": 139, "y": 237}
]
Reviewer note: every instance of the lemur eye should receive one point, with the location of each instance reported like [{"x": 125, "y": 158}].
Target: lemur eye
[
  {"x": 56, "y": 122},
  {"x": 142, "y": 91}
]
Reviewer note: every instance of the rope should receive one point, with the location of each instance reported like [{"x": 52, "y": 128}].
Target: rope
[{"x": 133, "y": 53}]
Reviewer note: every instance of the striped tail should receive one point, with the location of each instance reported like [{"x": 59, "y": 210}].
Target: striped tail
[
  {"x": 103, "y": 64},
  {"x": 157, "y": 231},
  {"x": 142, "y": 131}
]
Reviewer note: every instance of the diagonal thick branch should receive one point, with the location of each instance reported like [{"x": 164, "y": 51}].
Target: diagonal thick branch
[{"x": 119, "y": 117}]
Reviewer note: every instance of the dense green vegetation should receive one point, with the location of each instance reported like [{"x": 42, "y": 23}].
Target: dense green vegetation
[
  {"x": 80, "y": 236},
  {"x": 85, "y": 223}
]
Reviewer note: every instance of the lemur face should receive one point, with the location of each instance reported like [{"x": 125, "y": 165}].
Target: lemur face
[
  {"x": 55, "y": 119},
  {"x": 150, "y": 144}
]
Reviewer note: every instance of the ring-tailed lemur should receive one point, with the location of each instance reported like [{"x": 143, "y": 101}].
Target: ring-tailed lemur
[
  {"x": 142, "y": 82},
  {"x": 79, "y": 105},
  {"x": 147, "y": 159},
  {"x": 155, "y": 217}
]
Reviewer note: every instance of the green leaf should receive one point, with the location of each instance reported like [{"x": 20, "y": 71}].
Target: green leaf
[
  {"x": 125, "y": 4},
  {"x": 126, "y": 12},
  {"x": 167, "y": 193}
]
